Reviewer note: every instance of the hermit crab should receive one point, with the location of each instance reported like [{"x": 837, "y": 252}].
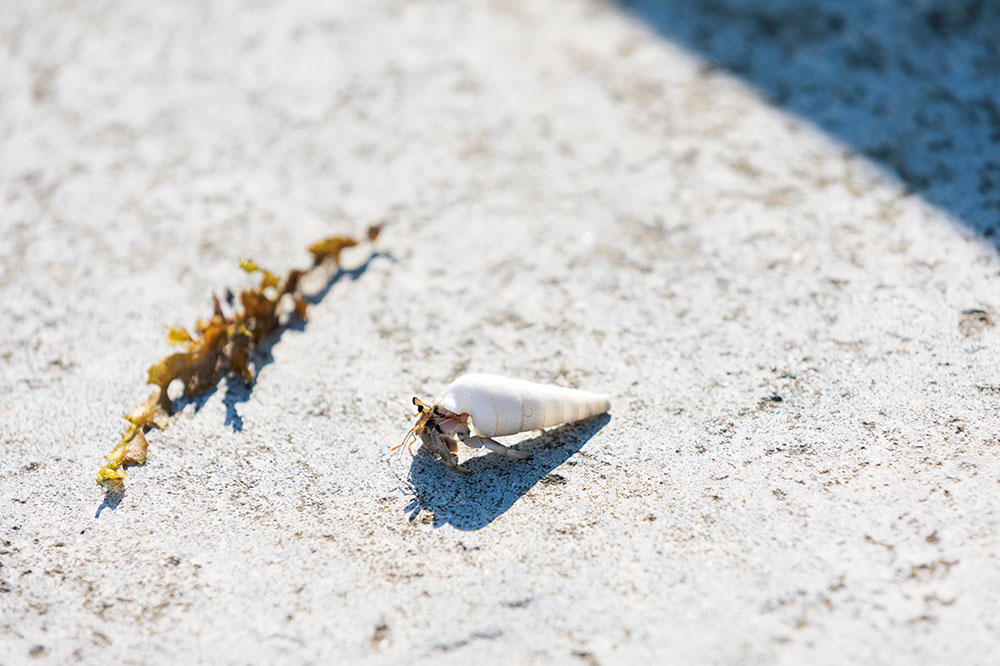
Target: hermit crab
[{"x": 475, "y": 408}]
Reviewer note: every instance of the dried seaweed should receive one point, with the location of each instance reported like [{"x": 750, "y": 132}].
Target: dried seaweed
[{"x": 221, "y": 345}]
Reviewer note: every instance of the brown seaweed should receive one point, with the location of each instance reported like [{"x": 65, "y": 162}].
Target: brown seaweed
[{"x": 219, "y": 346}]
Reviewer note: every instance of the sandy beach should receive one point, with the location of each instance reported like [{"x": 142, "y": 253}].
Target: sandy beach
[{"x": 794, "y": 323}]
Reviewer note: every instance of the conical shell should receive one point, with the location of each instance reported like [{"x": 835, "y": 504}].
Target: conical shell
[{"x": 501, "y": 406}]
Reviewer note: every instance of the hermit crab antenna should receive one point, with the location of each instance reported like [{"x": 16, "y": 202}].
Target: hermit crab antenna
[{"x": 408, "y": 440}]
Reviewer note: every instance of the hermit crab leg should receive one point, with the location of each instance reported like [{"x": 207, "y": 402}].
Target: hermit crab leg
[{"x": 496, "y": 447}]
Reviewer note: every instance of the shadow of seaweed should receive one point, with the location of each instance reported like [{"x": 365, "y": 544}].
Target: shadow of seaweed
[
  {"x": 912, "y": 84},
  {"x": 473, "y": 501},
  {"x": 351, "y": 274},
  {"x": 114, "y": 493}
]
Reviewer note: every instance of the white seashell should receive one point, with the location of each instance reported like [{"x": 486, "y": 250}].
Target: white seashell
[
  {"x": 499, "y": 406},
  {"x": 493, "y": 406}
]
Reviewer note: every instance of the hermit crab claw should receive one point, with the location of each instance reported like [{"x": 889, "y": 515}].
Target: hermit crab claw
[{"x": 444, "y": 446}]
